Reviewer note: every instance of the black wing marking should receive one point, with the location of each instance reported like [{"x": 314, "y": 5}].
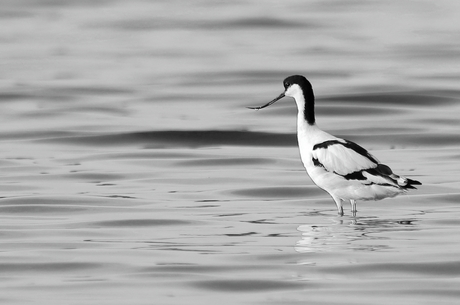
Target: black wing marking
[{"x": 353, "y": 162}]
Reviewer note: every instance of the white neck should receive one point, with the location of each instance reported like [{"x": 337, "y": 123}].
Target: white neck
[{"x": 296, "y": 92}]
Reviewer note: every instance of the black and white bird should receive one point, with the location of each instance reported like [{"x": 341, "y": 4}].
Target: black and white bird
[{"x": 342, "y": 168}]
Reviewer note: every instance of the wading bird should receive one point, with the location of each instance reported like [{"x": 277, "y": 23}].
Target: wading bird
[{"x": 342, "y": 168}]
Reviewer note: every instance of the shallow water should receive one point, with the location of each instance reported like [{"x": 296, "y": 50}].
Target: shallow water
[{"x": 132, "y": 173}]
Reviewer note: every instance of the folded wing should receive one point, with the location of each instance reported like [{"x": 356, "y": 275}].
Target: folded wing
[
  {"x": 343, "y": 157},
  {"x": 351, "y": 161}
]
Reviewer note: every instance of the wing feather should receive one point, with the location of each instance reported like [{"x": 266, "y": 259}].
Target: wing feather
[{"x": 343, "y": 157}]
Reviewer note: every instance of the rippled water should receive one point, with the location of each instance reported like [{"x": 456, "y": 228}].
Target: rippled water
[{"x": 132, "y": 173}]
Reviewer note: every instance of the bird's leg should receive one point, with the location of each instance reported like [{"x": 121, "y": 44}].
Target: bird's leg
[
  {"x": 353, "y": 207},
  {"x": 338, "y": 202}
]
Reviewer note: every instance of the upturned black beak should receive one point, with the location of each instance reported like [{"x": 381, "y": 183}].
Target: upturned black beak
[{"x": 268, "y": 104}]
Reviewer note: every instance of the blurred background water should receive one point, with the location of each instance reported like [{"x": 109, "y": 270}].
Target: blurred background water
[{"x": 132, "y": 173}]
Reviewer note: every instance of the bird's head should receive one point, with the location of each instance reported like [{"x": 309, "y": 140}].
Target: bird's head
[
  {"x": 299, "y": 88},
  {"x": 296, "y": 86}
]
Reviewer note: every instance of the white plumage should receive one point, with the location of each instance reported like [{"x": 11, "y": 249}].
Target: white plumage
[{"x": 340, "y": 167}]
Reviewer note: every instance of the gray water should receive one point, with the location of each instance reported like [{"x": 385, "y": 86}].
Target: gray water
[{"x": 132, "y": 173}]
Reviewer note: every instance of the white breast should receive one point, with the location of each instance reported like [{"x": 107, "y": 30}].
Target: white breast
[{"x": 308, "y": 136}]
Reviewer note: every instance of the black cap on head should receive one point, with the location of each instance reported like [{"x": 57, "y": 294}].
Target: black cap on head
[
  {"x": 297, "y": 79},
  {"x": 307, "y": 90}
]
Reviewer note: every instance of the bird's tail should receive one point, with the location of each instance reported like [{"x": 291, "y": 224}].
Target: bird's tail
[
  {"x": 405, "y": 183},
  {"x": 410, "y": 183}
]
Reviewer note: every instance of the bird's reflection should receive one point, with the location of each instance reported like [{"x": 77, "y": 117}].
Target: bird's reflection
[{"x": 353, "y": 233}]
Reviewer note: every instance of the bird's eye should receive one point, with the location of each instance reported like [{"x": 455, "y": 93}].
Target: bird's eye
[{"x": 286, "y": 85}]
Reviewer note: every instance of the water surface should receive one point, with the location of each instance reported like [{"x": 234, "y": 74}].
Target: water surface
[{"x": 132, "y": 173}]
